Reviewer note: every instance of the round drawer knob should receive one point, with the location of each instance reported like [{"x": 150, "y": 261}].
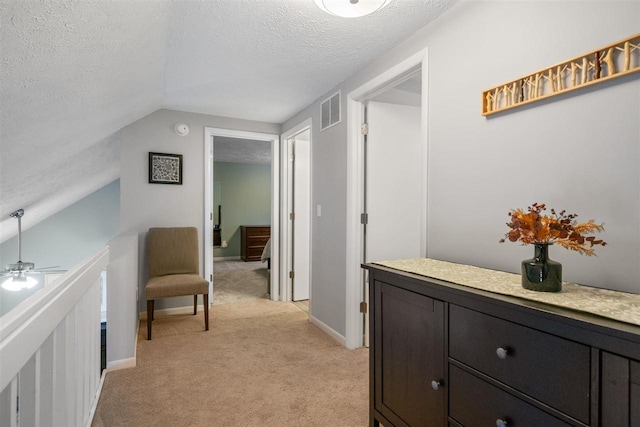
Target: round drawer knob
[
  {"x": 436, "y": 384},
  {"x": 502, "y": 354},
  {"x": 501, "y": 423}
]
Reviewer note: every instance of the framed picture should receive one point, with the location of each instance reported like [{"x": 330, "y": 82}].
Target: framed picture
[{"x": 165, "y": 168}]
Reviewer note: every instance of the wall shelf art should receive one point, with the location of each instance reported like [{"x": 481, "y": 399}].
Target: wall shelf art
[
  {"x": 165, "y": 168},
  {"x": 606, "y": 63}
]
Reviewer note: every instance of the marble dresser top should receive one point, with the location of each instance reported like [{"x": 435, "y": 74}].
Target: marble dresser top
[{"x": 621, "y": 306}]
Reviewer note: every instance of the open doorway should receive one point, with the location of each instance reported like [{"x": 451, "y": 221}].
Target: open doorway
[
  {"x": 386, "y": 179},
  {"x": 241, "y": 216},
  {"x": 296, "y": 225},
  {"x": 241, "y": 219}
]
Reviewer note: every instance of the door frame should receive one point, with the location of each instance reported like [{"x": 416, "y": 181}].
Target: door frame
[
  {"x": 286, "y": 292},
  {"x": 354, "y": 322},
  {"x": 209, "y": 134}
]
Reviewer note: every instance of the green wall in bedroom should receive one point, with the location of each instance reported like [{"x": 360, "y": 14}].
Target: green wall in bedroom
[{"x": 246, "y": 200}]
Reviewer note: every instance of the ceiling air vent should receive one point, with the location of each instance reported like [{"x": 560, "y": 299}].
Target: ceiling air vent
[{"x": 331, "y": 111}]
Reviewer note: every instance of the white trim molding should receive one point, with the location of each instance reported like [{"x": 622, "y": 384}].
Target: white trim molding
[
  {"x": 285, "y": 259},
  {"x": 327, "y": 329},
  {"x": 209, "y": 134},
  {"x": 354, "y": 237},
  {"x": 116, "y": 365}
]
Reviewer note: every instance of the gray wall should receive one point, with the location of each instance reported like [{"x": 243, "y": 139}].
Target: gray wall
[
  {"x": 71, "y": 235},
  {"x": 122, "y": 306},
  {"x": 246, "y": 200},
  {"x": 145, "y": 205},
  {"x": 578, "y": 152}
]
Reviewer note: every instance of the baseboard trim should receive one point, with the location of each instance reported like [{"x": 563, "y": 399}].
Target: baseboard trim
[
  {"x": 94, "y": 405},
  {"x": 328, "y": 330},
  {"x": 175, "y": 310},
  {"x": 116, "y": 365},
  {"x": 226, "y": 258}
]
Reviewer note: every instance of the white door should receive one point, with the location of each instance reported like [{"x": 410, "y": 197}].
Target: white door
[
  {"x": 301, "y": 225},
  {"x": 393, "y": 182},
  {"x": 393, "y": 186}
]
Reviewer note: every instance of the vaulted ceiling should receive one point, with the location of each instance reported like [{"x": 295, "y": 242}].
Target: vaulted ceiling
[{"x": 75, "y": 72}]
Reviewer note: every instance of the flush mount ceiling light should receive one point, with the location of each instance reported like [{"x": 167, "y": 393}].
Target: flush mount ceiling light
[{"x": 351, "y": 8}]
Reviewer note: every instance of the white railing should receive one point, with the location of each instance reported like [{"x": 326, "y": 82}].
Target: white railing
[{"x": 50, "y": 351}]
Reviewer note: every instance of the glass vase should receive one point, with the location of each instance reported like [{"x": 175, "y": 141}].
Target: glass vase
[{"x": 541, "y": 273}]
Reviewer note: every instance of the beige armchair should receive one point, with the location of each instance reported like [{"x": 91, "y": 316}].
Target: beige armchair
[{"x": 173, "y": 269}]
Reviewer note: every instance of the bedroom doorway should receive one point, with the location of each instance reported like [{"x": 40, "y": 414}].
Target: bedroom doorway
[{"x": 242, "y": 193}]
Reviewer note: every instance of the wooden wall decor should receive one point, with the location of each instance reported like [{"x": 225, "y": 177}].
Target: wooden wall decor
[{"x": 606, "y": 63}]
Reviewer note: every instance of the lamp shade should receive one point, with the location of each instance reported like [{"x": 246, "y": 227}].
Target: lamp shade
[{"x": 351, "y": 8}]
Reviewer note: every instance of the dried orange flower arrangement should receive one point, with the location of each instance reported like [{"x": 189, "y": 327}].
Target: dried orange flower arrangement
[{"x": 532, "y": 227}]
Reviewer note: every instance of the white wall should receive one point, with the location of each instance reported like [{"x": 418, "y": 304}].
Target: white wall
[
  {"x": 145, "y": 205},
  {"x": 399, "y": 97},
  {"x": 69, "y": 236},
  {"x": 122, "y": 307},
  {"x": 578, "y": 152},
  {"x": 394, "y": 191}
]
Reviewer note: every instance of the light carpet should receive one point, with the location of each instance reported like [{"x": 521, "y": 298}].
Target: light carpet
[
  {"x": 232, "y": 284},
  {"x": 261, "y": 364}
]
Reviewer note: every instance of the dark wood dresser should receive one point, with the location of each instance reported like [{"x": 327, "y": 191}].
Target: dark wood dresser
[
  {"x": 254, "y": 238},
  {"x": 448, "y": 355}
]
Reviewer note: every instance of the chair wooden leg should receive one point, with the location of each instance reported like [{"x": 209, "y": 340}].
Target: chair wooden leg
[
  {"x": 149, "y": 317},
  {"x": 206, "y": 311},
  {"x": 195, "y": 304}
]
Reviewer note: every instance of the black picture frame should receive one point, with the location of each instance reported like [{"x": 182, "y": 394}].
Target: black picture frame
[{"x": 165, "y": 168}]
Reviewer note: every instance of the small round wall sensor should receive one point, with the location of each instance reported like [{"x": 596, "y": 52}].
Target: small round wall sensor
[{"x": 182, "y": 129}]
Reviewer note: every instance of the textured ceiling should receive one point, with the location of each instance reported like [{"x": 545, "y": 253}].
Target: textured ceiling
[
  {"x": 74, "y": 72},
  {"x": 237, "y": 150}
]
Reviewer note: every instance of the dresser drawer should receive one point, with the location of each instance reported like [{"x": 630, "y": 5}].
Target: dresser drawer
[
  {"x": 257, "y": 241},
  {"x": 474, "y": 402},
  {"x": 254, "y": 238},
  {"x": 254, "y": 252},
  {"x": 259, "y": 231},
  {"x": 550, "y": 369}
]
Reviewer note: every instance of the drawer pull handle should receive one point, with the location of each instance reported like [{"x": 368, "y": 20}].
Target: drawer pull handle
[
  {"x": 436, "y": 384},
  {"x": 501, "y": 423},
  {"x": 502, "y": 354}
]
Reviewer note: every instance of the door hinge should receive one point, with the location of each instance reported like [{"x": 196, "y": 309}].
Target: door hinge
[
  {"x": 363, "y": 307},
  {"x": 364, "y": 129},
  {"x": 364, "y": 218},
  {"x": 211, "y": 216},
  {"x": 291, "y": 275},
  {"x": 292, "y": 216},
  {"x": 211, "y": 277}
]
